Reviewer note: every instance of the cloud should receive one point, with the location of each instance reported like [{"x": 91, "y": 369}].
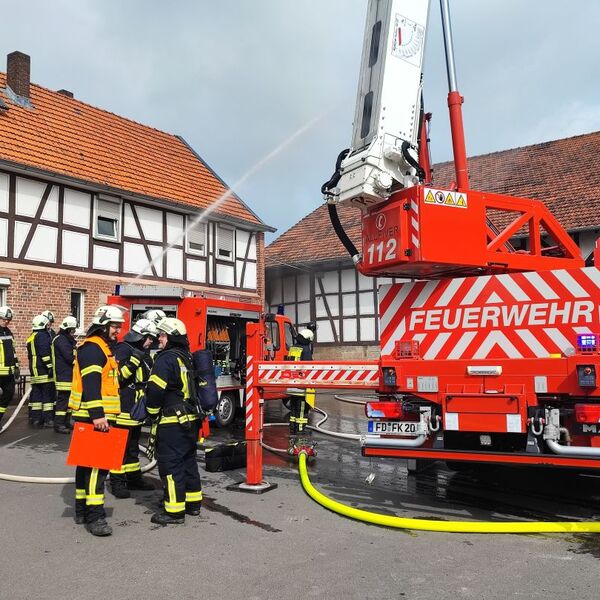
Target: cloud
[{"x": 236, "y": 78}]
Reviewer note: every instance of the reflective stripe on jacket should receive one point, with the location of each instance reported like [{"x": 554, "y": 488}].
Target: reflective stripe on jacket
[
  {"x": 38, "y": 353},
  {"x": 108, "y": 399},
  {"x": 8, "y": 356},
  {"x": 63, "y": 356}
]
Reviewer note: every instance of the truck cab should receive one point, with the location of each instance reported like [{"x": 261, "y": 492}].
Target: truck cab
[{"x": 217, "y": 325}]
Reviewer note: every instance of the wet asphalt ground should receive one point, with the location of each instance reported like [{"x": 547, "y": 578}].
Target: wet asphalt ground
[{"x": 283, "y": 545}]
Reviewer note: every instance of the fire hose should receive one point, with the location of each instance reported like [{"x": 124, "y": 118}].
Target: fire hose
[
  {"x": 424, "y": 524},
  {"x": 37, "y": 479},
  {"x": 443, "y": 526}
]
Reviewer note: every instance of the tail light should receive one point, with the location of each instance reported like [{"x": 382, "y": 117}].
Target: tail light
[
  {"x": 587, "y": 413},
  {"x": 384, "y": 410}
]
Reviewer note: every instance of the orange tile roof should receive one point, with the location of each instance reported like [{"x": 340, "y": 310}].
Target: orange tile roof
[
  {"x": 68, "y": 137},
  {"x": 564, "y": 174}
]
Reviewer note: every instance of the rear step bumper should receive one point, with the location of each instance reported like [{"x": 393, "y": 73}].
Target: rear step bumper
[{"x": 550, "y": 460}]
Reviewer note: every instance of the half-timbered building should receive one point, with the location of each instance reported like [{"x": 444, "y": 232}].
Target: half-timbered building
[
  {"x": 89, "y": 200},
  {"x": 310, "y": 273}
]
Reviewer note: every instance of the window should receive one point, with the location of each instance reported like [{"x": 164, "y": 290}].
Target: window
[
  {"x": 107, "y": 223},
  {"x": 196, "y": 238},
  {"x": 273, "y": 333},
  {"x": 224, "y": 243},
  {"x": 290, "y": 336},
  {"x": 4, "y": 283},
  {"x": 77, "y": 307}
]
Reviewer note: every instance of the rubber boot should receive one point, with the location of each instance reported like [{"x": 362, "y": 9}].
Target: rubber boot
[
  {"x": 100, "y": 528},
  {"x": 164, "y": 518},
  {"x": 59, "y": 425},
  {"x": 192, "y": 509},
  {"x": 48, "y": 423},
  {"x": 135, "y": 481},
  {"x": 118, "y": 486},
  {"x": 80, "y": 511}
]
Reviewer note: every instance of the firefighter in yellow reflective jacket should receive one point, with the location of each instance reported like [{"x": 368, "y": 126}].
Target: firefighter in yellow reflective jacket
[
  {"x": 63, "y": 357},
  {"x": 9, "y": 363},
  {"x": 134, "y": 369},
  {"x": 94, "y": 396},
  {"x": 41, "y": 400},
  {"x": 172, "y": 402},
  {"x": 301, "y": 400}
]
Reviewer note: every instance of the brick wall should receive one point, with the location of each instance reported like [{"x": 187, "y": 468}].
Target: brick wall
[
  {"x": 35, "y": 289},
  {"x": 31, "y": 292}
]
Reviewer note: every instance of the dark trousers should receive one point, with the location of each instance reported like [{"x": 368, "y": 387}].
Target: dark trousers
[
  {"x": 61, "y": 406},
  {"x": 89, "y": 493},
  {"x": 41, "y": 402},
  {"x": 7, "y": 384},
  {"x": 299, "y": 409},
  {"x": 130, "y": 469},
  {"x": 177, "y": 466}
]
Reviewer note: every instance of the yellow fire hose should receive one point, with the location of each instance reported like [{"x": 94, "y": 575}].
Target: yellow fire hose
[{"x": 445, "y": 526}]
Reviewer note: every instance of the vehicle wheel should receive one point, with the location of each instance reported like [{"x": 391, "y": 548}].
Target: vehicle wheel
[{"x": 225, "y": 410}]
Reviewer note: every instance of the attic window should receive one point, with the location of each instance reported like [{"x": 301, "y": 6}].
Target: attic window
[
  {"x": 224, "y": 243},
  {"x": 196, "y": 239},
  {"x": 107, "y": 219}
]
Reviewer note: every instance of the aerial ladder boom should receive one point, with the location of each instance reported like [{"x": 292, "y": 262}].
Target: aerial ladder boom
[
  {"x": 409, "y": 227},
  {"x": 384, "y": 153}
]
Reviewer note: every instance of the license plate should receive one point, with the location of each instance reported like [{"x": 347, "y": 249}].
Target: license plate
[{"x": 394, "y": 427}]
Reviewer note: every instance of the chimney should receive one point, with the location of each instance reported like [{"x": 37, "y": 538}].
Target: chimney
[
  {"x": 17, "y": 73},
  {"x": 66, "y": 93}
]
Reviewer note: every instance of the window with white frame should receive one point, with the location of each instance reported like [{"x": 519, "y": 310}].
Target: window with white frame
[
  {"x": 225, "y": 242},
  {"x": 196, "y": 238},
  {"x": 107, "y": 218},
  {"x": 2, "y": 296},
  {"x": 78, "y": 308}
]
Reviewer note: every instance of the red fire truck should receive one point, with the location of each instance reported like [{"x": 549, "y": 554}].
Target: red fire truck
[
  {"x": 489, "y": 352},
  {"x": 219, "y": 326}
]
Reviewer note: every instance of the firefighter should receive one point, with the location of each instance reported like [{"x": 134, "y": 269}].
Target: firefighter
[
  {"x": 134, "y": 369},
  {"x": 173, "y": 405},
  {"x": 9, "y": 363},
  {"x": 94, "y": 396},
  {"x": 50, "y": 316},
  {"x": 301, "y": 401},
  {"x": 63, "y": 356},
  {"x": 154, "y": 315},
  {"x": 39, "y": 353}
]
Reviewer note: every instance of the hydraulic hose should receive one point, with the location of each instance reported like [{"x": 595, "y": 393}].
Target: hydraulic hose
[
  {"x": 444, "y": 526},
  {"x": 341, "y": 233},
  {"x": 36, "y": 479}
]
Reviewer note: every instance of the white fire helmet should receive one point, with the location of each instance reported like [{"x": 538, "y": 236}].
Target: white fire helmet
[
  {"x": 154, "y": 315},
  {"x": 6, "y": 312},
  {"x": 307, "y": 334},
  {"x": 145, "y": 327},
  {"x": 108, "y": 314},
  {"x": 49, "y": 315},
  {"x": 69, "y": 323},
  {"x": 39, "y": 322},
  {"x": 171, "y": 326}
]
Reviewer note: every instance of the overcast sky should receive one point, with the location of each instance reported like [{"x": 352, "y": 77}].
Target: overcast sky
[{"x": 236, "y": 78}]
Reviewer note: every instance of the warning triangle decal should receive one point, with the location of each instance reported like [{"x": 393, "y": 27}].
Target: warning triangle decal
[
  {"x": 461, "y": 201},
  {"x": 449, "y": 199},
  {"x": 429, "y": 198}
]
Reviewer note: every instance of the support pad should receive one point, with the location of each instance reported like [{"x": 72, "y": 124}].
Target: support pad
[{"x": 247, "y": 488}]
